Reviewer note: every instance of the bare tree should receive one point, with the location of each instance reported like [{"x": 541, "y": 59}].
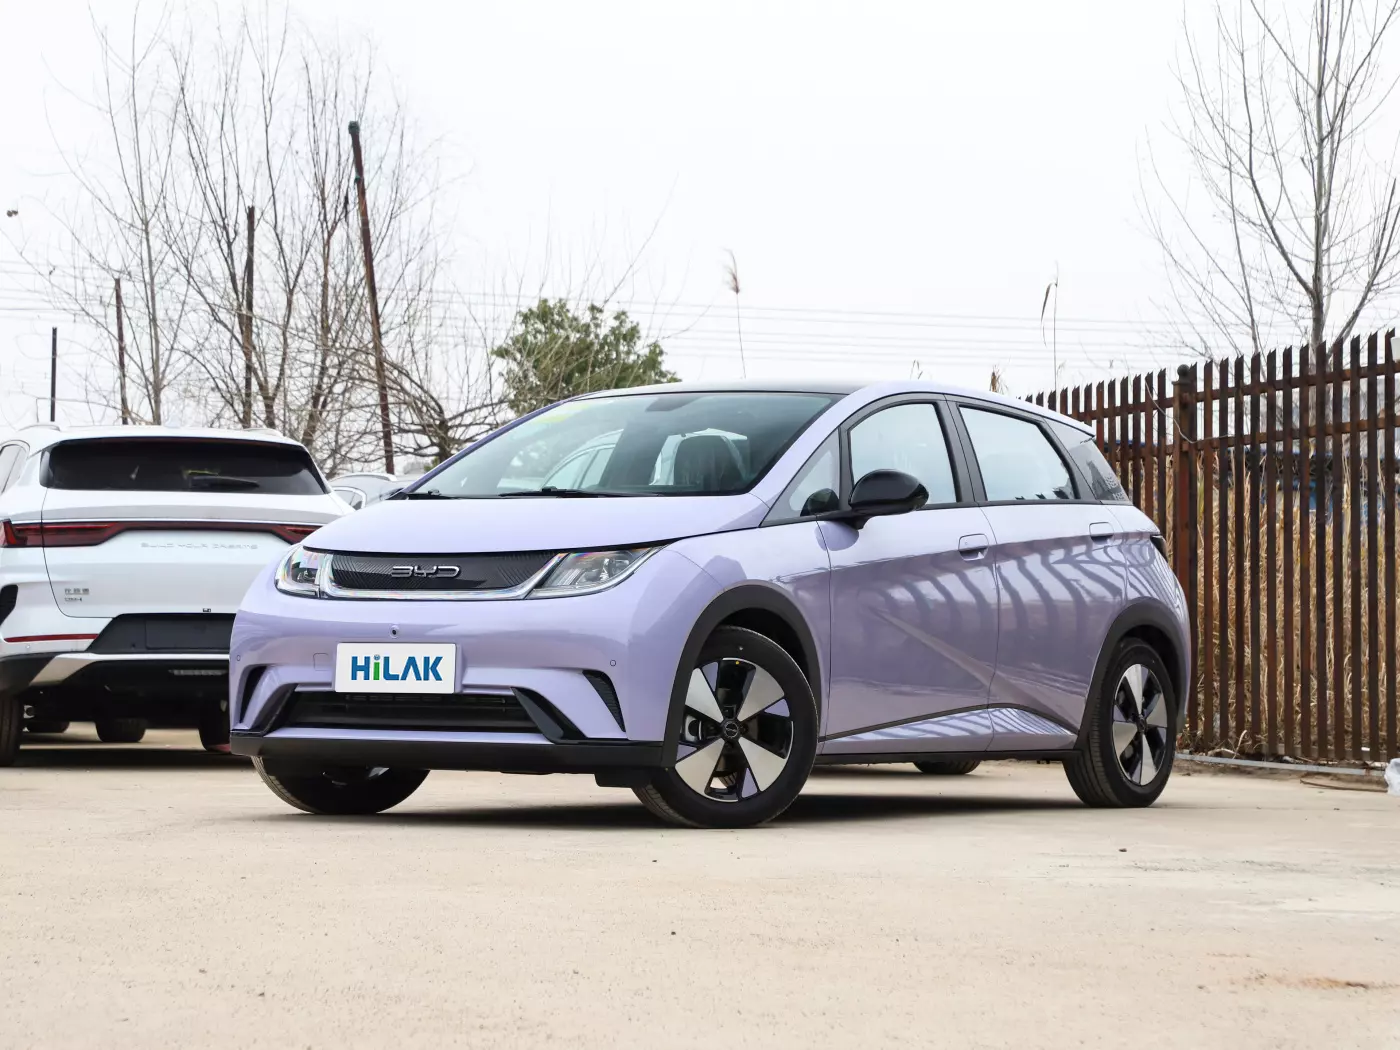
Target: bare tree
[{"x": 1298, "y": 231}]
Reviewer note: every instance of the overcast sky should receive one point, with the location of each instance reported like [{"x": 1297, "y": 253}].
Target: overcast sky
[{"x": 898, "y": 181}]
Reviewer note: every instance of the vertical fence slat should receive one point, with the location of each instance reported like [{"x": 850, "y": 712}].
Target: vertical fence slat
[
  {"x": 1240, "y": 486},
  {"x": 1306, "y": 487},
  {"x": 1373, "y": 604},
  {"x": 1163, "y": 450},
  {"x": 1320, "y": 516},
  {"x": 1288, "y": 567},
  {"x": 1336, "y": 454},
  {"x": 1136, "y": 460},
  {"x": 1223, "y": 707},
  {"x": 1148, "y": 454},
  {"x": 1392, "y": 492},
  {"x": 1271, "y": 556},
  {"x": 1251, "y": 488},
  {"x": 1124, "y": 435},
  {"x": 1351, "y": 450},
  {"x": 1208, "y": 575}
]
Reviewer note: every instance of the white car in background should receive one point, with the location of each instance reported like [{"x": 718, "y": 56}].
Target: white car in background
[{"x": 124, "y": 553}]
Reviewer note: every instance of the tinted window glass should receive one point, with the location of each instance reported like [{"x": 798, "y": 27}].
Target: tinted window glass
[
  {"x": 816, "y": 487},
  {"x": 183, "y": 465},
  {"x": 681, "y": 444},
  {"x": 9, "y": 459},
  {"x": 1084, "y": 451},
  {"x": 907, "y": 438},
  {"x": 1016, "y": 459}
]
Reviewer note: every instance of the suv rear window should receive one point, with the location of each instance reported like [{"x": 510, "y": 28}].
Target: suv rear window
[{"x": 182, "y": 465}]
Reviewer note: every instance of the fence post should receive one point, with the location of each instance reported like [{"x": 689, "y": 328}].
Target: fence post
[{"x": 1185, "y": 516}]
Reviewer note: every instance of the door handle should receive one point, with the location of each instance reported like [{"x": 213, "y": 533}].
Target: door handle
[
  {"x": 1100, "y": 531},
  {"x": 973, "y": 546}
]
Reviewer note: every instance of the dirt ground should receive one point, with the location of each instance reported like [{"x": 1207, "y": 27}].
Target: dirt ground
[{"x": 153, "y": 895}]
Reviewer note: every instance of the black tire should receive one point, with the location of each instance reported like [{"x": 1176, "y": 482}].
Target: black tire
[
  {"x": 121, "y": 730},
  {"x": 339, "y": 792},
  {"x": 11, "y": 726},
  {"x": 213, "y": 727},
  {"x": 746, "y": 751},
  {"x": 46, "y": 726},
  {"x": 947, "y": 767},
  {"x": 1105, "y": 775}
]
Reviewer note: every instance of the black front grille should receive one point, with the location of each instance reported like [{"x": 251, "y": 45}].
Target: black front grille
[
  {"x": 450, "y": 712},
  {"x": 450, "y": 572}
]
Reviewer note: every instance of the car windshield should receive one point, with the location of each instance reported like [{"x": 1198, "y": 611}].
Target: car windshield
[{"x": 668, "y": 444}]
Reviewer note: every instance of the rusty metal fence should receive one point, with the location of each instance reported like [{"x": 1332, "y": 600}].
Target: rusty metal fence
[{"x": 1274, "y": 479}]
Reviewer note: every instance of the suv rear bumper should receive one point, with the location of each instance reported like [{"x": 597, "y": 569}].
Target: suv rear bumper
[
  {"x": 521, "y": 753},
  {"x": 64, "y": 666}
]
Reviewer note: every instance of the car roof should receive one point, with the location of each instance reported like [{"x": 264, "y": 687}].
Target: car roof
[
  {"x": 844, "y": 388},
  {"x": 45, "y": 435}
]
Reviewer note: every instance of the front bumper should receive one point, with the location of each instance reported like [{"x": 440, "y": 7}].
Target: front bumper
[{"x": 547, "y": 653}]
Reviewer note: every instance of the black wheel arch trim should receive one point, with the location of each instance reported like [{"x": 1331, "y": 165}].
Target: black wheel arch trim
[
  {"x": 1143, "y": 612},
  {"x": 738, "y": 599}
]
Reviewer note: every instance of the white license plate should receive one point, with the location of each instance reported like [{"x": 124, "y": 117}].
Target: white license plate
[{"x": 395, "y": 667}]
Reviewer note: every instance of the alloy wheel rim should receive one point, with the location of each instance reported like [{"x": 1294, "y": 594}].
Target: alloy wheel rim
[
  {"x": 736, "y": 733},
  {"x": 1141, "y": 727}
]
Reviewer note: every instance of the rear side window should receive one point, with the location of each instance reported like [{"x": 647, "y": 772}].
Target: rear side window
[
  {"x": 1084, "y": 451},
  {"x": 1015, "y": 458},
  {"x": 182, "y": 465}
]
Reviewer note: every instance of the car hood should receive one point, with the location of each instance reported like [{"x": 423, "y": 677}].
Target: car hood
[{"x": 483, "y": 526}]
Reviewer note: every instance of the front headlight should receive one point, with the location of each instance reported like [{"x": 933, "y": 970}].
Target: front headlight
[
  {"x": 591, "y": 571},
  {"x": 298, "y": 571}
]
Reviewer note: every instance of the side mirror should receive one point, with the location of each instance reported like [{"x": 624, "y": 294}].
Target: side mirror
[{"x": 884, "y": 492}]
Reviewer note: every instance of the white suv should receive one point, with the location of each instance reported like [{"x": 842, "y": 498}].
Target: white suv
[{"x": 124, "y": 553}]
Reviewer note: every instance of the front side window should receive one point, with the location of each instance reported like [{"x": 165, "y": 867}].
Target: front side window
[
  {"x": 907, "y": 438},
  {"x": 816, "y": 489},
  {"x": 1084, "y": 452},
  {"x": 668, "y": 444},
  {"x": 1016, "y": 459}
]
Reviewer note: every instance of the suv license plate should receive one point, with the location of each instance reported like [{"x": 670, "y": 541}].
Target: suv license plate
[{"x": 395, "y": 667}]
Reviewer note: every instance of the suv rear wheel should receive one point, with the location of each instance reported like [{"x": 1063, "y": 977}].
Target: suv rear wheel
[
  {"x": 121, "y": 730},
  {"x": 1130, "y": 738},
  {"x": 339, "y": 791},
  {"x": 947, "y": 767},
  {"x": 11, "y": 725},
  {"x": 748, "y": 737}
]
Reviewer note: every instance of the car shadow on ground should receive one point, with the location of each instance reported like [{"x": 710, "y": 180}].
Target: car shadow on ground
[{"x": 58, "y": 753}]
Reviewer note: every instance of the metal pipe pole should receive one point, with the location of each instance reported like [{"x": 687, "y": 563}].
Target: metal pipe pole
[
  {"x": 53, "y": 378},
  {"x": 375, "y": 332},
  {"x": 121, "y": 355}
]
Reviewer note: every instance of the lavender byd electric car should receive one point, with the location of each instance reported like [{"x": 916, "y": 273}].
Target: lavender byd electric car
[{"x": 698, "y": 592}]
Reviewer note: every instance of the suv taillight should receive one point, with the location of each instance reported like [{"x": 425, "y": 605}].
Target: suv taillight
[
  {"x": 21, "y": 535},
  {"x": 92, "y": 533}
]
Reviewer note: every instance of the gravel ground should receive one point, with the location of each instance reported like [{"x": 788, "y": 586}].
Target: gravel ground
[{"x": 154, "y": 895}]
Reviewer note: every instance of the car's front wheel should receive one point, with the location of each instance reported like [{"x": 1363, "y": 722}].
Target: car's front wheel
[
  {"x": 1130, "y": 732},
  {"x": 747, "y": 740},
  {"x": 339, "y": 791}
]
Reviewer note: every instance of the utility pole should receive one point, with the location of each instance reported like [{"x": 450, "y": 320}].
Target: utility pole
[
  {"x": 247, "y": 327},
  {"x": 121, "y": 355},
  {"x": 53, "y": 378},
  {"x": 377, "y": 335}
]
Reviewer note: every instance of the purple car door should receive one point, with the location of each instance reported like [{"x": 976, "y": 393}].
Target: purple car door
[
  {"x": 913, "y": 601},
  {"x": 1060, "y": 572}
]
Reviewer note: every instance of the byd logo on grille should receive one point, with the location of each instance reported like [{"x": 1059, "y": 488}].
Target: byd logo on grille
[{"x": 395, "y": 668}]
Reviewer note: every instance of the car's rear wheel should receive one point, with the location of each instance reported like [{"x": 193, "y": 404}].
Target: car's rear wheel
[
  {"x": 213, "y": 727},
  {"x": 748, "y": 737},
  {"x": 46, "y": 726},
  {"x": 947, "y": 767},
  {"x": 121, "y": 730},
  {"x": 11, "y": 725},
  {"x": 339, "y": 791},
  {"x": 1130, "y": 732}
]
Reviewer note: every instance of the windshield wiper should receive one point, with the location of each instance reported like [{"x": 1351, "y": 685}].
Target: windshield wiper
[
  {"x": 421, "y": 494},
  {"x": 225, "y": 482},
  {"x": 560, "y": 493}
]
